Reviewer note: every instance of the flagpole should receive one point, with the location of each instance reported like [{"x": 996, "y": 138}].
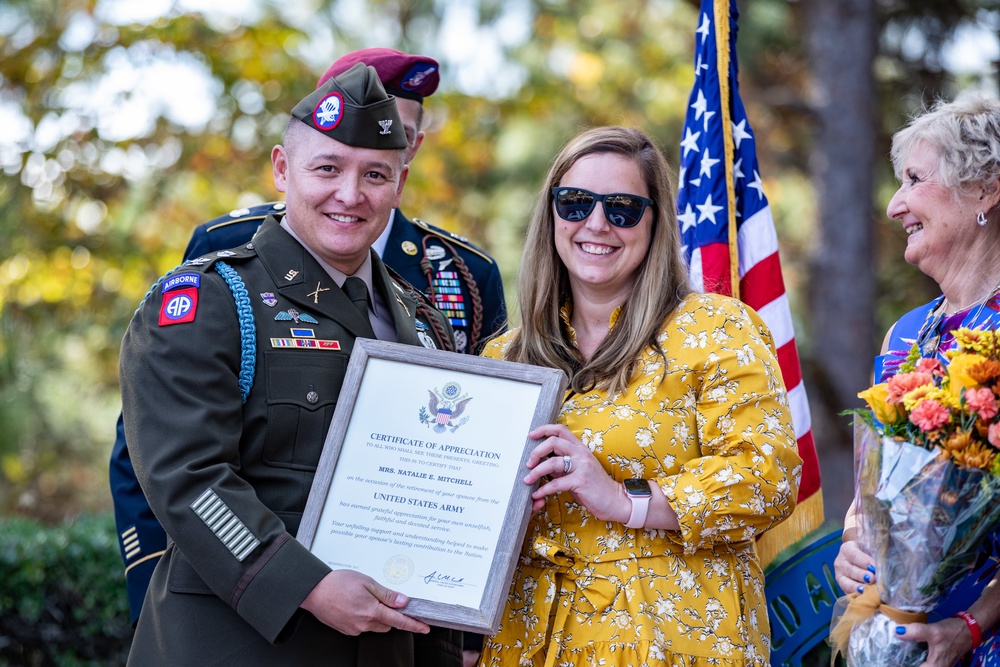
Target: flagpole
[{"x": 721, "y": 10}]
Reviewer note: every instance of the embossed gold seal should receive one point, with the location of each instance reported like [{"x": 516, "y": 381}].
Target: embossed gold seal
[{"x": 398, "y": 569}]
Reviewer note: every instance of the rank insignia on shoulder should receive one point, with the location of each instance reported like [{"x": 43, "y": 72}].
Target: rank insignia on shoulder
[
  {"x": 181, "y": 280},
  {"x": 199, "y": 261},
  {"x": 225, "y": 253},
  {"x": 179, "y": 306}
]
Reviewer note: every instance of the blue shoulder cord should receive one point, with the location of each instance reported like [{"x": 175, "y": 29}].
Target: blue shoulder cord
[{"x": 248, "y": 330}]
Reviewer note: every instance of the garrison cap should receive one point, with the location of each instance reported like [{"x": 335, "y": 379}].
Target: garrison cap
[
  {"x": 403, "y": 75},
  {"x": 354, "y": 109}
]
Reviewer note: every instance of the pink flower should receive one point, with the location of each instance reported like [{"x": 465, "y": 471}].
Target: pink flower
[
  {"x": 993, "y": 435},
  {"x": 904, "y": 383},
  {"x": 932, "y": 366},
  {"x": 929, "y": 415},
  {"x": 982, "y": 402}
]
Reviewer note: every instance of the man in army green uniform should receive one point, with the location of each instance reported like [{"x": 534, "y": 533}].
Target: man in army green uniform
[
  {"x": 458, "y": 276},
  {"x": 230, "y": 374}
]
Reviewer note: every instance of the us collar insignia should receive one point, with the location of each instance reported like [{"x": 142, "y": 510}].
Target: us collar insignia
[
  {"x": 293, "y": 315},
  {"x": 291, "y": 274}
]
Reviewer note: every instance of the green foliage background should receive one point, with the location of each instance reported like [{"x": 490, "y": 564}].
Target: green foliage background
[{"x": 89, "y": 218}]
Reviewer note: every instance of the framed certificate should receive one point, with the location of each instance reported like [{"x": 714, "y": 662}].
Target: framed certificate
[{"x": 420, "y": 483}]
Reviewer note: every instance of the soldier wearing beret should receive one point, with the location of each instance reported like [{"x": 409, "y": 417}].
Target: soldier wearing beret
[
  {"x": 230, "y": 372},
  {"x": 462, "y": 281}
]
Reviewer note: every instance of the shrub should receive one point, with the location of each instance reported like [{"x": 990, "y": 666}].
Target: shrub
[{"x": 62, "y": 594}]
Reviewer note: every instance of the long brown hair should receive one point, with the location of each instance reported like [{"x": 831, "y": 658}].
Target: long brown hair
[{"x": 543, "y": 286}]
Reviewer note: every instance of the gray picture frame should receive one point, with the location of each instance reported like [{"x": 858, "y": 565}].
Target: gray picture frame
[{"x": 551, "y": 384}]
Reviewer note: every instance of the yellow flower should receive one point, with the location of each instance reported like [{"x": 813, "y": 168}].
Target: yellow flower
[
  {"x": 978, "y": 341},
  {"x": 885, "y": 412},
  {"x": 920, "y": 394},
  {"x": 959, "y": 376}
]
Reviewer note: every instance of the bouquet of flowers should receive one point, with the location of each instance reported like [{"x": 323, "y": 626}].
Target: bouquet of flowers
[{"x": 927, "y": 492}]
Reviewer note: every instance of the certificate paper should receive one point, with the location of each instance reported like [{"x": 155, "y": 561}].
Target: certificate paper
[{"x": 425, "y": 494}]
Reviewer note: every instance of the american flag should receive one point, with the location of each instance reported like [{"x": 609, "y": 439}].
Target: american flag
[{"x": 729, "y": 237}]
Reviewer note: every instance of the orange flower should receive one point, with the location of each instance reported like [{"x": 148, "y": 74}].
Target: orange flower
[
  {"x": 877, "y": 399},
  {"x": 956, "y": 442},
  {"x": 975, "y": 455},
  {"x": 985, "y": 371}
]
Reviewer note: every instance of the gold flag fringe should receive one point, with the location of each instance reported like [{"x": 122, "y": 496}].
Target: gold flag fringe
[{"x": 807, "y": 517}]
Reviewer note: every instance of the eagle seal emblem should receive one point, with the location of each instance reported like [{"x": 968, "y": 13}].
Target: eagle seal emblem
[{"x": 444, "y": 408}]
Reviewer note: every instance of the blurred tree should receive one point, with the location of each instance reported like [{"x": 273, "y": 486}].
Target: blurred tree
[
  {"x": 118, "y": 135},
  {"x": 128, "y": 135},
  {"x": 107, "y": 172}
]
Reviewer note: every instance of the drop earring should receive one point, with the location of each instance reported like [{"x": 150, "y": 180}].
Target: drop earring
[{"x": 981, "y": 219}]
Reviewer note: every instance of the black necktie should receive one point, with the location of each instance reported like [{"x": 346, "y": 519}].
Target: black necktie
[{"x": 357, "y": 291}]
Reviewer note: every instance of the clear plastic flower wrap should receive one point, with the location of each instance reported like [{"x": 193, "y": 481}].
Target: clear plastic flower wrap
[
  {"x": 922, "y": 517},
  {"x": 927, "y": 492}
]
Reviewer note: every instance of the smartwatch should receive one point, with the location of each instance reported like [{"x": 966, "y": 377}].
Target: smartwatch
[{"x": 639, "y": 493}]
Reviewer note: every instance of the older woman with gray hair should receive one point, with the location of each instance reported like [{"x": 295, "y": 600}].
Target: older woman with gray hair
[{"x": 948, "y": 163}]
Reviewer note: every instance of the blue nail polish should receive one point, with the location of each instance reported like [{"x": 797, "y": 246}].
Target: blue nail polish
[
  {"x": 871, "y": 568},
  {"x": 900, "y": 630},
  {"x": 861, "y": 589},
  {"x": 868, "y": 579}
]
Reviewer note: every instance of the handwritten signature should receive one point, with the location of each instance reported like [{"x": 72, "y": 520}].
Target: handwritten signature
[{"x": 434, "y": 577}]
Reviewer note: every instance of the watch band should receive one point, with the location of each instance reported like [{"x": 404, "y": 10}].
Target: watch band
[{"x": 640, "y": 506}]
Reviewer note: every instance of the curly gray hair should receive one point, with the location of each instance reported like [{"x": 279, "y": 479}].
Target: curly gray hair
[{"x": 966, "y": 136}]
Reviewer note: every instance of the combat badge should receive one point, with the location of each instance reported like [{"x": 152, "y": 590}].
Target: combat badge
[{"x": 293, "y": 315}]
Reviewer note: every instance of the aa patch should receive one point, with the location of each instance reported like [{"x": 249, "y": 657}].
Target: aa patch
[{"x": 179, "y": 306}]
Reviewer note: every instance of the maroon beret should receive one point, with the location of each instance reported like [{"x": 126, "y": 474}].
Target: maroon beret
[{"x": 402, "y": 74}]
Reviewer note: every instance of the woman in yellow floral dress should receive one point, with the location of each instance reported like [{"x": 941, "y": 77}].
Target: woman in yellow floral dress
[{"x": 678, "y": 393}]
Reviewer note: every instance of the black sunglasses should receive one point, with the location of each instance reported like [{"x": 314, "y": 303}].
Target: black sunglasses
[{"x": 620, "y": 209}]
